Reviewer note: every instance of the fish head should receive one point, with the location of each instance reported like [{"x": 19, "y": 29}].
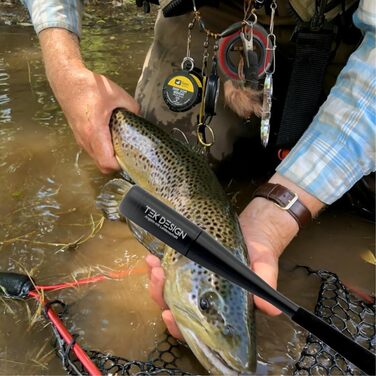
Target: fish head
[{"x": 214, "y": 316}]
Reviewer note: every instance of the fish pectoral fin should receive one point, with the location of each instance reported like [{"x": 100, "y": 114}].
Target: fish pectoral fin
[
  {"x": 110, "y": 197},
  {"x": 150, "y": 242},
  {"x": 109, "y": 200}
]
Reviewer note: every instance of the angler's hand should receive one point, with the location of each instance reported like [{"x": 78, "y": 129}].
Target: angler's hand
[
  {"x": 88, "y": 106},
  {"x": 156, "y": 277},
  {"x": 265, "y": 237},
  {"x": 267, "y": 231},
  {"x": 86, "y": 98}
]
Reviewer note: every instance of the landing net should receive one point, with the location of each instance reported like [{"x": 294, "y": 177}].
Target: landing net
[
  {"x": 354, "y": 316},
  {"x": 350, "y": 314}
]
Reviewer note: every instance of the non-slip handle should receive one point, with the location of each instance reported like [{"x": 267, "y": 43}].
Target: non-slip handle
[{"x": 356, "y": 354}]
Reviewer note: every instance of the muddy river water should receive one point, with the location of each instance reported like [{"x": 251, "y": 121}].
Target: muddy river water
[{"x": 47, "y": 201}]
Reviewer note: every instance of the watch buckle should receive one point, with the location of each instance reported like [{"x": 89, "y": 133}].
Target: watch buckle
[{"x": 289, "y": 204}]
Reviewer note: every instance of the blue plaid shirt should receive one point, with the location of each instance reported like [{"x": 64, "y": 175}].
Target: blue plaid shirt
[
  {"x": 338, "y": 148},
  {"x": 66, "y": 14}
]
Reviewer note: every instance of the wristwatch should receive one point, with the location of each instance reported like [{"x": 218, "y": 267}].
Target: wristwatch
[{"x": 285, "y": 200}]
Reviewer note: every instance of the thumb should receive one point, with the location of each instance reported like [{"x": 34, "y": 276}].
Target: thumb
[
  {"x": 171, "y": 325},
  {"x": 266, "y": 267},
  {"x": 128, "y": 102},
  {"x": 103, "y": 151}
]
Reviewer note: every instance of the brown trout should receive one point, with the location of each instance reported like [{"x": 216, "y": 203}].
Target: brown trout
[{"x": 215, "y": 316}]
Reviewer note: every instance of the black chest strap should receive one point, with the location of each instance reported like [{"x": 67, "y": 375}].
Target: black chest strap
[{"x": 313, "y": 50}]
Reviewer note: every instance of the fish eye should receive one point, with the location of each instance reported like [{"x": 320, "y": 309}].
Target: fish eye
[{"x": 204, "y": 304}]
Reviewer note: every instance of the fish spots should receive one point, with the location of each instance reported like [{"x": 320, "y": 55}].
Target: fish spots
[
  {"x": 216, "y": 285},
  {"x": 171, "y": 257}
]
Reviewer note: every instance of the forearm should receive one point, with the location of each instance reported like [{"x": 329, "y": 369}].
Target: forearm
[
  {"x": 62, "y": 60},
  {"x": 58, "y": 25}
]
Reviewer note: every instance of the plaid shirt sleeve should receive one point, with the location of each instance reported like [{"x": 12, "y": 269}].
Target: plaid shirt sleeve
[
  {"x": 338, "y": 148},
  {"x": 66, "y": 14}
]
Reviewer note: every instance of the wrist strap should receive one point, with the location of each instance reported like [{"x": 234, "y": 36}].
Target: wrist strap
[{"x": 285, "y": 200}]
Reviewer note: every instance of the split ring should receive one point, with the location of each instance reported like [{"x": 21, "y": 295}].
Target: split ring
[{"x": 200, "y": 138}]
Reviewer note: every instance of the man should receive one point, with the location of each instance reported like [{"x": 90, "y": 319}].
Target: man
[{"x": 336, "y": 151}]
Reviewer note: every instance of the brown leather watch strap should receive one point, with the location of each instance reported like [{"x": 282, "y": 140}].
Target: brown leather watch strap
[{"x": 286, "y": 200}]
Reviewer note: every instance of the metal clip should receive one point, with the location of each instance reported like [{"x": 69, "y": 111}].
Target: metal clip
[{"x": 247, "y": 46}]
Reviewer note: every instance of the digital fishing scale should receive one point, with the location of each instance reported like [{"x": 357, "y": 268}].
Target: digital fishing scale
[{"x": 183, "y": 89}]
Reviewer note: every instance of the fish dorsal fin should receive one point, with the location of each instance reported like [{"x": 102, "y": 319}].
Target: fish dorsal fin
[{"x": 110, "y": 197}]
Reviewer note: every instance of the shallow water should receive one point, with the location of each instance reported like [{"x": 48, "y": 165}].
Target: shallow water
[{"x": 47, "y": 200}]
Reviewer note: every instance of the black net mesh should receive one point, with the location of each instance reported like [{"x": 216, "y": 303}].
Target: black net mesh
[
  {"x": 162, "y": 361},
  {"x": 347, "y": 312},
  {"x": 167, "y": 353},
  {"x": 336, "y": 304},
  {"x": 110, "y": 364}
]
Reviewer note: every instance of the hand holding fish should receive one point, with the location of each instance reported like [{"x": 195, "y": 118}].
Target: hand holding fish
[
  {"x": 88, "y": 111},
  {"x": 157, "y": 277},
  {"x": 86, "y": 98},
  {"x": 264, "y": 247},
  {"x": 267, "y": 231}
]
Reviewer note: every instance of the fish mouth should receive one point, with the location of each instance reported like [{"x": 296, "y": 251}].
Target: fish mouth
[
  {"x": 210, "y": 359},
  {"x": 189, "y": 313}
]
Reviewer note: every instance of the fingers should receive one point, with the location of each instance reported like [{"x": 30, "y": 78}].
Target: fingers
[
  {"x": 89, "y": 116},
  {"x": 267, "y": 232},
  {"x": 266, "y": 267},
  {"x": 156, "y": 286},
  {"x": 103, "y": 151},
  {"x": 171, "y": 325},
  {"x": 152, "y": 261},
  {"x": 101, "y": 145},
  {"x": 156, "y": 276}
]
